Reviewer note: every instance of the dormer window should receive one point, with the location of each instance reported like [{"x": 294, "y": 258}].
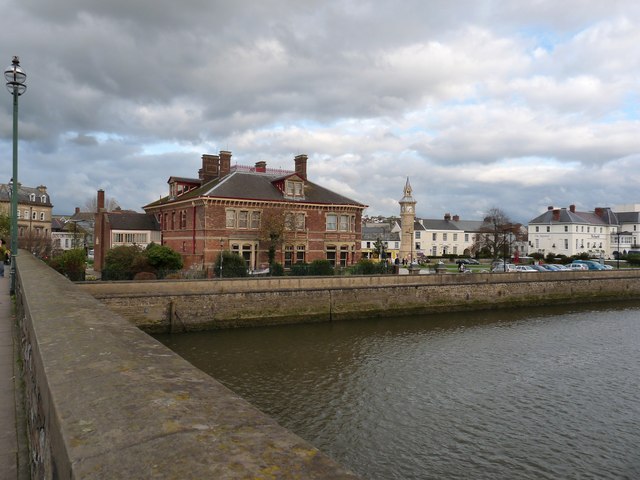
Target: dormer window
[
  {"x": 43, "y": 199},
  {"x": 294, "y": 188},
  {"x": 32, "y": 197}
]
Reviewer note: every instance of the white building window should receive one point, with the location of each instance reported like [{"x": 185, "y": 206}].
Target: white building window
[{"x": 332, "y": 224}]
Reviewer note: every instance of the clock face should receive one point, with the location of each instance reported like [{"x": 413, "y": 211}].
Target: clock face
[{"x": 409, "y": 208}]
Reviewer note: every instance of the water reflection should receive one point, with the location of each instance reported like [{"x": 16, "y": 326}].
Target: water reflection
[{"x": 535, "y": 393}]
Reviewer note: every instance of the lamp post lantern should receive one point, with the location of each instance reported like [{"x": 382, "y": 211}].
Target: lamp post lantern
[{"x": 15, "y": 77}]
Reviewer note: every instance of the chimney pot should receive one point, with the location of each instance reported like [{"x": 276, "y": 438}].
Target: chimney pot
[
  {"x": 550, "y": 207},
  {"x": 572, "y": 208}
]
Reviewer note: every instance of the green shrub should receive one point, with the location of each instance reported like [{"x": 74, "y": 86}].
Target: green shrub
[
  {"x": 71, "y": 263},
  {"x": 321, "y": 267},
  {"x": 633, "y": 259},
  {"x": 233, "y": 265},
  {"x": 300, "y": 269},
  {"x": 367, "y": 267},
  {"x": 161, "y": 257},
  {"x": 276, "y": 269}
]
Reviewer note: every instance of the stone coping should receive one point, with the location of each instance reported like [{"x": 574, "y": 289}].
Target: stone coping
[{"x": 115, "y": 403}]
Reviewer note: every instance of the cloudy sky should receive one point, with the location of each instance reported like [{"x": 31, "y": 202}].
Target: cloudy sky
[{"x": 510, "y": 104}]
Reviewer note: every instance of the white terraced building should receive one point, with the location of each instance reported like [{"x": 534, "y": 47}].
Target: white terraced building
[{"x": 601, "y": 233}]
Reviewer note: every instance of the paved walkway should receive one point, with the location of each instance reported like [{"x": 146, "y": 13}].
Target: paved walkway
[{"x": 9, "y": 444}]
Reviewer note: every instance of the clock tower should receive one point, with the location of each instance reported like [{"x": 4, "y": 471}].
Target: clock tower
[{"x": 407, "y": 219}]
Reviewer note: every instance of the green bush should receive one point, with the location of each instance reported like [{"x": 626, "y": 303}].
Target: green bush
[
  {"x": 122, "y": 263},
  {"x": 163, "y": 258},
  {"x": 633, "y": 259},
  {"x": 233, "y": 265},
  {"x": 321, "y": 267},
  {"x": 300, "y": 269},
  {"x": 71, "y": 263},
  {"x": 125, "y": 262},
  {"x": 367, "y": 267},
  {"x": 276, "y": 269}
]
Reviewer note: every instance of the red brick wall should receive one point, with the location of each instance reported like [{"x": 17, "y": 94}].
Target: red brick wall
[{"x": 199, "y": 242}]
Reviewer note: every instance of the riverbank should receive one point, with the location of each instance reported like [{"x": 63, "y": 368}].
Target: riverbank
[{"x": 192, "y": 305}]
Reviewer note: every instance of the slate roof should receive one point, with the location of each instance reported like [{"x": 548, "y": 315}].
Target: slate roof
[
  {"x": 381, "y": 231},
  {"x": 24, "y": 194},
  {"x": 567, "y": 216},
  {"x": 132, "y": 221},
  {"x": 259, "y": 186},
  {"x": 83, "y": 216},
  {"x": 628, "y": 217}
]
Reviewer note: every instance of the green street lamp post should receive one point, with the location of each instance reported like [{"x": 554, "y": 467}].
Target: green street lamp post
[{"x": 15, "y": 77}]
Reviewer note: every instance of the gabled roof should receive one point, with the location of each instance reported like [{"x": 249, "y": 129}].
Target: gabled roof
[
  {"x": 259, "y": 186},
  {"x": 132, "y": 221}
]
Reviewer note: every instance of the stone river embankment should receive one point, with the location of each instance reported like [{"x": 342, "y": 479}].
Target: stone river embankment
[{"x": 192, "y": 305}]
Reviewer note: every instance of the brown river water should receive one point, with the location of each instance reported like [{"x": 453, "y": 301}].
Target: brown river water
[{"x": 538, "y": 393}]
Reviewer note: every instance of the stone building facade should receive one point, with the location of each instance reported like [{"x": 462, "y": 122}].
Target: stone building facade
[
  {"x": 34, "y": 215},
  {"x": 251, "y": 210}
]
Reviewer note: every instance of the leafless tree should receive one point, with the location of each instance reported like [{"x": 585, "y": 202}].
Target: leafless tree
[
  {"x": 497, "y": 234},
  {"x": 91, "y": 205}
]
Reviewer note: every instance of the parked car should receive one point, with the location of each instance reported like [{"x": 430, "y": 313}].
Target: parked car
[
  {"x": 591, "y": 265},
  {"x": 607, "y": 267},
  {"x": 559, "y": 267},
  {"x": 548, "y": 267},
  {"x": 468, "y": 261},
  {"x": 577, "y": 266},
  {"x": 538, "y": 268},
  {"x": 503, "y": 267},
  {"x": 526, "y": 269}
]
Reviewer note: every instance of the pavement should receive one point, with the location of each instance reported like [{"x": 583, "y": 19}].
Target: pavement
[{"x": 12, "y": 452}]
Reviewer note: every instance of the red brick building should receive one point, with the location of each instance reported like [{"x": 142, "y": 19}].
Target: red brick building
[
  {"x": 248, "y": 209},
  {"x": 120, "y": 228}
]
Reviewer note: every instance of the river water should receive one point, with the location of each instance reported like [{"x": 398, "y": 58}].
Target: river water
[{"x": 543, "y": 393}]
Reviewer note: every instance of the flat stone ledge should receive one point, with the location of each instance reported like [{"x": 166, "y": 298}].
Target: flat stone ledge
[{"x": 118, "y": 404}]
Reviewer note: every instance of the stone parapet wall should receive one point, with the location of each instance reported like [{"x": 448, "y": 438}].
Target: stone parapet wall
[
  {"x": 162, "y": 306},
  {"x": 106, "y": 401}
]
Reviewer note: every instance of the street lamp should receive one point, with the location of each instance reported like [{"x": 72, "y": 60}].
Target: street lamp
[
  {"x": 15, "y": 77},
  {"x": 221, "y": 256}
]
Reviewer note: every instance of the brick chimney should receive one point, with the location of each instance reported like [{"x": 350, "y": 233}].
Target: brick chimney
[
  {"x": 447, "y": 216},
  {"x": 261, "y": 166},
  {"x": 556, "y": 214},
  {"x": 301, "y": 166},
  {"x": 456, "y": 218},
  {"x": 100, "y": 202},
  {"x": 225, "y": 163},
  {"x": 572, "y": 208},
  {"x": 210, "y": 168},
  {"x": 77, "y": 210},
  {"x": 600, "y": 212}
]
